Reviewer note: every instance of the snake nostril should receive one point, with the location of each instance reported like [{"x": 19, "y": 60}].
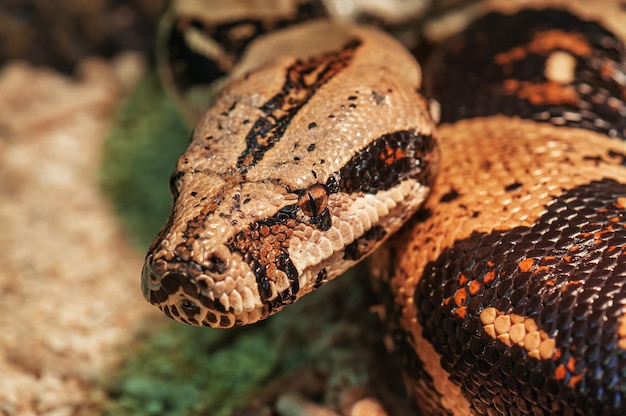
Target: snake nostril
[{"x": 217, "y": 264}]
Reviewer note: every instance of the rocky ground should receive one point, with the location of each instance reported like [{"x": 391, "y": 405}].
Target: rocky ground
[{"x": 69, "y": 277}]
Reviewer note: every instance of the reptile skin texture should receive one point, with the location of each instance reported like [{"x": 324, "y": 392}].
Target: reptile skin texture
[{"x": 509, "y": 285}]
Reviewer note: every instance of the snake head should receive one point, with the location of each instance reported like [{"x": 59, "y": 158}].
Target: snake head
[
  {"x": 299, "y": 170},
  {"x": 205, "y": 266},
  {"x": 239, "y": 247},
  {"x": 236, "y": 249}
]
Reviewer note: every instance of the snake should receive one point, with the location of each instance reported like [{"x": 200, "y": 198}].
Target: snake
[{"x": 489, "y": 186}]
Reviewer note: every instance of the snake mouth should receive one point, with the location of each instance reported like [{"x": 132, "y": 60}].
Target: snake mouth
[
  {"x": 150, "y": 283},
  {"x": 183, "y": 293},
  {"x": 176, "y": 294},
  {"x": 146, "y": 283},
  {"x": 152, "y": 275}
]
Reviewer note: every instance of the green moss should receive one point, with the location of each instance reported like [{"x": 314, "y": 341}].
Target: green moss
[
  {"x": 181, "y": 370},
  {"x": 139, "y": 155}
]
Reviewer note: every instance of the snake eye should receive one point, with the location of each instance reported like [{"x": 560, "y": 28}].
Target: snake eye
[
  {"x": 313, "y": 200},
  {"x": 189, "y": 307}
]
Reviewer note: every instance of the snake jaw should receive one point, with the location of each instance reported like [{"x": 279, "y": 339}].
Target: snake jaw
[{"x": 147, "y": 284}]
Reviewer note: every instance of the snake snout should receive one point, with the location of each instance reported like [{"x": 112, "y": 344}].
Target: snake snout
[
  {"x": 176, "y": 292},
  {"x": 207, "y": 292}
]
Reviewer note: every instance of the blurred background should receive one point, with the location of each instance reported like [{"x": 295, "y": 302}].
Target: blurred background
[{"x": 60, "y": 33}]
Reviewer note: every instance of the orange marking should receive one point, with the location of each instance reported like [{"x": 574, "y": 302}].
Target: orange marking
[
  {"x": 463, "y": 279},
  {"x": 549, "y": 258},
  {"x": 515, "y": 54},
  {"x": 597, "y": 236},
  {"x": 621, "y": 332},
  {"x": 549, "y": 92},
  {"x": 574, "y": 379},
  {"x": 490, "y": 264},
  {"x": 568, "y": 284},
  {"x": 550, "y": 40},
  {"x": 621, "y": 203},
  {"x": 526, "y": 264},
  {"x": 384, "y": 155},
  {"x": 602, "y": 232},
  {"x": 541, "y": 269},
  {"x": 390, "y": 155},
  {"x": 607, "y": 69},
  {"x": 571, "y": 364},
  {"x": 474, "y": 287},
  {"x": 489, "y": 277},
  {"x": 560, "y": 372},
  {"x": 460, "y": 297},
  {"x": 461, "y": 312},
  {"x": 544, "y": 42}
]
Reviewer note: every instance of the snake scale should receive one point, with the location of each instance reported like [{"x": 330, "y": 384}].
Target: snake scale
[{"x": 506, "y": 282}]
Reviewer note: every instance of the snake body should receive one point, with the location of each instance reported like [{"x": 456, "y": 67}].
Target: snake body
[
  {"x": 519, "y": 307},
  {"x": 507, "y": 289}
]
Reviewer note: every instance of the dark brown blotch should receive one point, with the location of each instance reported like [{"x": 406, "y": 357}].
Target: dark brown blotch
[
  {"x": 302, "y": 80},
  {"x": 449, "y": 196},
  {"x": 512, "y": 187},
  {"x": 565, "y": 272},
  {"x": 360, "y": 247},
  {"x": 387, "y": 161}
]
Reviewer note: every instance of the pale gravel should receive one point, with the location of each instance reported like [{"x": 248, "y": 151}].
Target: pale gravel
[{"x": 69, "y": 280}]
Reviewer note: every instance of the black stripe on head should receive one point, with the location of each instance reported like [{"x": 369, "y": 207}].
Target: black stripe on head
[
  {"x": 387, "y": 161},
  {"x": 265, "y": 247},
  {"x": 565, "y": 276},
  {"x": 297, "y": 90},
  {"x": 362, "y": 246},
  {"x": 321, "y": 278},
  {"x": 499, "y": 66}
]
